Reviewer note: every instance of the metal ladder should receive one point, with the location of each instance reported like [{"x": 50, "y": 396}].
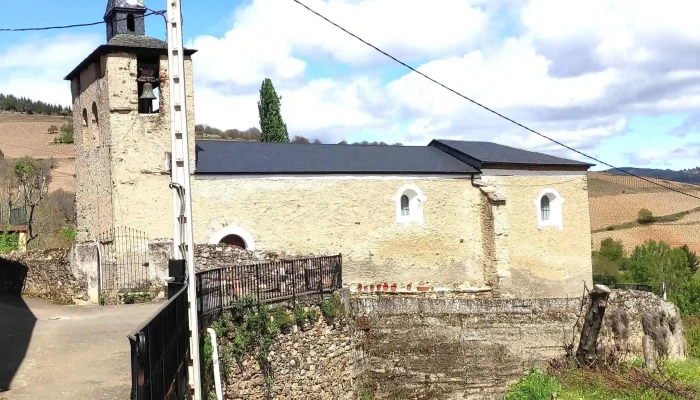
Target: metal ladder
[{"x": 183, "y": 243}]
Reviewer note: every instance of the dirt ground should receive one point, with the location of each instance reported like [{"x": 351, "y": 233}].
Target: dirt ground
[{"x": 49, "y": 351}]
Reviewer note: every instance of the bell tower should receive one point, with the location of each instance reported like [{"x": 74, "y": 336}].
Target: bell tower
[
  {"x": 122, "y": 128},
  {"x": 125, "y": 17}
]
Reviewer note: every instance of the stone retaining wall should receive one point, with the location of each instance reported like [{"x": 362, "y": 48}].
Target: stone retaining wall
[
  {"x": 313, "y": 364},
  {"x": 46, "y": 274}
]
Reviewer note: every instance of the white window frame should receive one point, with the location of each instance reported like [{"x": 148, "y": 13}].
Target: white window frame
[
  {"x": 416, "y": 204},
  {"x": 556, "y": 205}
]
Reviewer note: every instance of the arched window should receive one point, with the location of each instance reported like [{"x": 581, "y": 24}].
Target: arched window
[
  {"x": 549, "y": 205},
  {"x": 409, "y": 204},
  {"x": 404, "y": 206},
  {"x": 544, "y": 208},
  {"x": 85, "y": 120},
  {"x": 130, "y": 24}
]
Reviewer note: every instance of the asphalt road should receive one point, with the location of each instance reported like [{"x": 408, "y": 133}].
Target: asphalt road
[{"x": 56, "y": 352}]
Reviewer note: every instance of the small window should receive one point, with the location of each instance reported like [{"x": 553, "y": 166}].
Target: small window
[
  {"x": 404, "y": 206},
  {"x": 544, "y": 208},
  {"x": 549, "y": 206},
  {"x": 85, "y": 118},
  {"x": 130, "y": 24},
  {"x": 95, "y": 118},
  {"x": 409, "y": 202}
]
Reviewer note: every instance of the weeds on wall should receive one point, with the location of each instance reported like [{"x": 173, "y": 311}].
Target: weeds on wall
[
  {"x": 9, "y": 241},
  {"x": 252, "y": 326}
]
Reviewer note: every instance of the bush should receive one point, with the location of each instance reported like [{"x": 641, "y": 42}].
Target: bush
[
  {"x": 299, "y": 314},
  {"x": 693, "y": 338},
  {"x": 535, "y": 385},
  {"x": 9, "y": 241},
  {"x": 282, "y": 319},
  {"x": 331, "y": 308},
  {"x": 645, "y": 216}
]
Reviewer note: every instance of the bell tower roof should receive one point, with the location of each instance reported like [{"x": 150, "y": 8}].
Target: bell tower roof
[
  {"x": 124, "y": 4},
  {"x": 125, "y": 17}
]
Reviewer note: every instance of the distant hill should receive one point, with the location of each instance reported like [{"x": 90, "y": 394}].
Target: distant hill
[
  {"x": 11, "y": 103},
  {"x": 685, "y": 176}
]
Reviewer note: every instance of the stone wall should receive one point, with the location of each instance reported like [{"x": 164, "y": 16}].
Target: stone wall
[
  {"x": 429, "y": 346},
  {"x": 45, "y": 274},
  {"x": 313, "y": 364},
  {"x": 633, "y": 314}
]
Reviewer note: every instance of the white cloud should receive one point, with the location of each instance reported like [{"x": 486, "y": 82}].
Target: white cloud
[
  {"x": 664, "y": 155},
  {"x": 35, "y": 68}
]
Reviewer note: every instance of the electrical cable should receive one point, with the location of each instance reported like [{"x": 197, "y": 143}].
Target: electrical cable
[
  {"x": 47, "y": 28},
  {"x": 487, "y": 108}
]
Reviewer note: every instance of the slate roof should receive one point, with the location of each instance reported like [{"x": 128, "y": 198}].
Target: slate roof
[
  {"x": 125, "y": 4},
  {"x": 233, "y": 157},
  {"x": 487, "y": 154},
  {"x": 136, "y": 44}
]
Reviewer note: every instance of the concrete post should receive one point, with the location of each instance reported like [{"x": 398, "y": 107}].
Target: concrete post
[{"x": 85, "y": 260}]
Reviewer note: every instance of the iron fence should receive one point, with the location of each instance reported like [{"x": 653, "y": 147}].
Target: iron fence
[
  {"x": 124, "y": 253},
  {"x": 13, "y": 217},
  {"x": 159, "y": 351},
  {"x": 269, "y": 282}
]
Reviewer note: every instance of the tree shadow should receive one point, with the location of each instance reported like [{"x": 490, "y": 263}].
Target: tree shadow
[{"x": 17, "y": 321}]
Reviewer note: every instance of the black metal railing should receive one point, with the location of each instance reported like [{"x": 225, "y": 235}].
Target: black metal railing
[
  {"x": 268, "y": 282},
  {"x": 159, "y": 350}
]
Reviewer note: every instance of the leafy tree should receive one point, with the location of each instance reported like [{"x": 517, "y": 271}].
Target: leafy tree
[
  {"x": 269, "y": 109},
  {"x": 612, "y": 250},
  {"x": 52, "y": 129},
  {"x": 300, "y": 139},
  {"x": 645, "y": 216},
  {"x": 316, "y": 141},
  {"x": 693, "y": 261},
  {"x": 21, "y": 104},
  {"x": 655, "y": 262}
]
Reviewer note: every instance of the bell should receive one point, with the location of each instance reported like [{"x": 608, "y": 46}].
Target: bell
[{"x": 147, "y": 93}]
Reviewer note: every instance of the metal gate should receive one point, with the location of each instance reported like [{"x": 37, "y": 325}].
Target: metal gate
[{"x": 123, "y": 259}]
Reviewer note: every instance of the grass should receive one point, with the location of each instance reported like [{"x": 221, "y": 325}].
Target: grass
[{"x": 678, "y": 380}]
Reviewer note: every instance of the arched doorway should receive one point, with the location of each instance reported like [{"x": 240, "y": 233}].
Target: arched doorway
[
  {"x": 233, "y": 235},
  {"x": 233, "y": 240}
]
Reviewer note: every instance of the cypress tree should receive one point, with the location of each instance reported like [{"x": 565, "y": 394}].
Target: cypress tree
[{"x": 269, "y": 108}]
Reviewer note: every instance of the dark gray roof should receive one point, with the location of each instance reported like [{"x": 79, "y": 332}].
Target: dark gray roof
[
  {"x": 136, "y": 44},
  {"x": 137, "y": 41},
  {"x": 487, "y": 154},
  {"x": 231, "y": 157},
  {"x": 125, "y": 4}
]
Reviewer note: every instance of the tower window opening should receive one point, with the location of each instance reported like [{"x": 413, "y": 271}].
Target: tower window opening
[
  {"x": 148, "y": 85},
  {"x": 130, "y": 23}
]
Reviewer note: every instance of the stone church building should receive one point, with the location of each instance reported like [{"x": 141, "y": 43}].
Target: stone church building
[{"x": 455, "y": 214}]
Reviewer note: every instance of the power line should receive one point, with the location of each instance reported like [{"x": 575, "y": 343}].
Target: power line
[
  {"x": 47, "y": 28},
  {"x": 487, "y": 108}
]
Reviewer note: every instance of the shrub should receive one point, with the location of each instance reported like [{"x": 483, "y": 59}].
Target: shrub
[
  {"x": 282, "y": 319},
  {"x": 645, "y": 216},
  {"x": 535, "y": 385},
  {"x": 331, "y": 308},
  {"x": 299, "y": 314},
  {"x": 693, "y": 338},
  {"x": 9, "y": 241}
]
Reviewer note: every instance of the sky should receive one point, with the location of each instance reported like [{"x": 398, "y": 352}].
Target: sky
[{"x": 616, "y": 79}]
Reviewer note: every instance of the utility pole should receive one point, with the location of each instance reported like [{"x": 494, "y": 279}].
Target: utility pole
[{"x": 183, "y": 242}]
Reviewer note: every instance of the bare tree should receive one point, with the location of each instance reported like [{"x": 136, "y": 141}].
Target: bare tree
[{"x": 33, "y": 178}]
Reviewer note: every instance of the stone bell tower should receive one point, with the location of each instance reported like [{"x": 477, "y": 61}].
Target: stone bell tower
[{"x": 121, "y": 118}]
